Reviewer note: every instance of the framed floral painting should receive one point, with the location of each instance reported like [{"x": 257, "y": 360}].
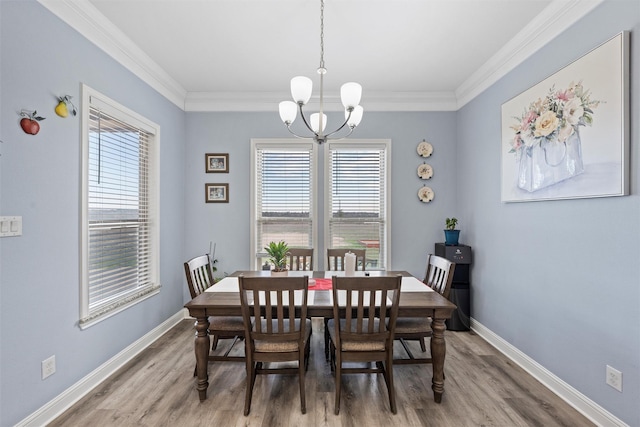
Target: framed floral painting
[
  {"x": 568, "y": 136},
  {"x": 216, "y": 162},
  {"x": 216, "y": 193}
]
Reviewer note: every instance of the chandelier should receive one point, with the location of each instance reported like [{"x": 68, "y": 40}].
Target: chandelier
[{"x": 301, "y": 88}]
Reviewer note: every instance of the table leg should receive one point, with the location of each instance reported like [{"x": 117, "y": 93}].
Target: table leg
[
  {"x": 438, "y": 351},
  {"x": 202, "y": 355}
]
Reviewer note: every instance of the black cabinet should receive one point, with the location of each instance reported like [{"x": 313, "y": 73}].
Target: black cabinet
[{"x": 460, "y": 293}]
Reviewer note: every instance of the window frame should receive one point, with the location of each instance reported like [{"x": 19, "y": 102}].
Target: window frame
[
  {"x": 373, "y": 144},
  {"x": 287, "y": 144},
  {"x": 89, "y": 316}
]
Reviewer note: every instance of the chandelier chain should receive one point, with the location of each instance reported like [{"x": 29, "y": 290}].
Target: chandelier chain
[{"x": 322, "y": 34}]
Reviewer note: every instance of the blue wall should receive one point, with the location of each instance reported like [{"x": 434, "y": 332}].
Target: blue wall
[
  {"x": 559, "y": 280},
  {"x": 415, "y": 226},
  {"x": 43, "y": 58},
  {"x": 537, "y": 278}
]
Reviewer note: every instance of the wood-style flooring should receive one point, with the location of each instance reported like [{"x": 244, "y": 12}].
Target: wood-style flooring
[{"x": 482, "y": 388}]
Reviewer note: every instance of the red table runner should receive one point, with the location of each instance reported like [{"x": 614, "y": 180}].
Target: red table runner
[{"x": 321, "y": 285}]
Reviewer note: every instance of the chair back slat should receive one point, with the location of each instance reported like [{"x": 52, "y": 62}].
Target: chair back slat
[
  {"x": 300, "y": 259},
  {"x": 367, "y": 303},
  {"x": 274, "y": 306},
  {"x": 335, "y": 258},
  {"x": 439, "y": 274}
]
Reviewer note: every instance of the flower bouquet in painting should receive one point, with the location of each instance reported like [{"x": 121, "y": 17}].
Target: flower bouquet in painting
[{"x": 547, "y": 138}]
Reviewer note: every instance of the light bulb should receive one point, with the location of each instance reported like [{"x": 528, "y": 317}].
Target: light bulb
[
  {"x": 288, "y": 111},
  {"x": 301, "y": 88},
  {"x": 350, "y": 94},
  {"x": 314, "y": 122},
  {"x": 356, "y": 116}
]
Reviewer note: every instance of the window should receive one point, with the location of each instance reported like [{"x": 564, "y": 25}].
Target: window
[
  {"x": 356, "y": 206},
  {"x": 119, "y": 208},
  {"x": 283, "y": 195}
]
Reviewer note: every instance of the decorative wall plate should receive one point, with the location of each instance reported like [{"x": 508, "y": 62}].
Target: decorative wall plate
[
  {"x": 425, "y": 171},
  {"x": 425, "y": 149},
  {"x": 426, "y": 194}
]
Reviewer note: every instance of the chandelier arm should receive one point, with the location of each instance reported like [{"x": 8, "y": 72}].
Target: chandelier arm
[
  {"x": 296, "y": 135},
  {"x": 306, "y": 123},
  {"x": 340, "y": 138},
  {"x": 340, "y": 128}
]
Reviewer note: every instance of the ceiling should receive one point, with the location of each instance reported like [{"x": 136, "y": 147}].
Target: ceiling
[{"x": 211, "y": 55}]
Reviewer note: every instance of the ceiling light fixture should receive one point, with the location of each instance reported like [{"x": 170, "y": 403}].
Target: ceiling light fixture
[{"x": 301, "y": 88}]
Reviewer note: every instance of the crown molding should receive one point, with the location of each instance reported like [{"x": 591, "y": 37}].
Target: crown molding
[
  {"x": 89, "y": 22},
  {"x": 95, "y": 27},
  {"x": 268, "y": 101},
  {"x": 551, "y": 22}
]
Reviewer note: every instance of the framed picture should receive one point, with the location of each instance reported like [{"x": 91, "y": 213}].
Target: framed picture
[
  {"x": 216, "y": 193},
  {"x": 216, "y": 162},
  {"x": 568, "y": 136}
]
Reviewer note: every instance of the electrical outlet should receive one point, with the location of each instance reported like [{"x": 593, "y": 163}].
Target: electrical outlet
[
  {"x": 48, "y": 367},
  {"x": 614, "y": 378}
]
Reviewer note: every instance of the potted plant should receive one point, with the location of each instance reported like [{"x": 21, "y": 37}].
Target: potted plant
[
  {"x": 278, "y": 257},
  {"x": 451, "y": 235}
]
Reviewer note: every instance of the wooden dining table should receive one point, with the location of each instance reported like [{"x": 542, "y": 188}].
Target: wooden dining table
[{"x": 416, "y": 300}]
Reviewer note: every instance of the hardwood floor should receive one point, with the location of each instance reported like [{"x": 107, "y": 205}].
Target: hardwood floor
[{"x": 482, "y": 388}]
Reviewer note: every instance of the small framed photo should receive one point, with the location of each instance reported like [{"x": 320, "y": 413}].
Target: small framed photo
[
  {"x": 216, "y": 193},
  {"x": 216, "y": 162}
]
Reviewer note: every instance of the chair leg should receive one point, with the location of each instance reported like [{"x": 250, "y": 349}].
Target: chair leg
[
  {"x": 307, "y": 352},
  {"x": 388, "y": 373},
  {"x": 326, "y": 339},
  {"x": 423, "y": 347},
  {"x": 332, "y": 352},
  {"x": 251, "y": 380},
  {"x": 214, "y": 344},
  {"x": 338, "y": 368},
  {"x": 301, "y": 371}
]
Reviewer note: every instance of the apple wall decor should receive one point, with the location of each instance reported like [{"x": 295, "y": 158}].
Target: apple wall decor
[{"x": 29, "y": 122}]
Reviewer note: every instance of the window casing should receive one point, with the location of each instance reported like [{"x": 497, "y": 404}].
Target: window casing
[
  {"x": 120, "y": 233},
  {"x": 356, "y": 198},
  {"x": 283, "y": 195}
]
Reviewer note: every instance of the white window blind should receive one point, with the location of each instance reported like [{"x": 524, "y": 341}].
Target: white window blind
[
  {"x": 283, "y": 196},
  {"x": 119, "y": 262},
  {"x": 357, "y": 200}
]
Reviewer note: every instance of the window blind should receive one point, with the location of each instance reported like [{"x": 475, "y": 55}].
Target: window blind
[
  {"x": 357, "y": 201},
  {"x": 284, "y": 197},
  {"x": 119, "y": 234}
]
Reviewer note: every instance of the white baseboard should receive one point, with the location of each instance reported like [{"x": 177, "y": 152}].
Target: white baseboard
[
  {"x": 64, "y": 401},
  {"x": 573, "y": 397}
]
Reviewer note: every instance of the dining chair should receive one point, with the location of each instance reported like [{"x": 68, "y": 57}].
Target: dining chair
[
  {"x": 438, "y": 276},
  {"x": 300, "y": 259},
  {"x": 335, "y": 258},
  {"x": 335, "y": 262},
  {"x": 274, "y": 310},
  {"x": 199, "y": 279},
  {"x": 362, "y": 329}
]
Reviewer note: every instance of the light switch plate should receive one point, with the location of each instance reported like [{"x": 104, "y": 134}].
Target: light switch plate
[{"x": 10, "y": 226}]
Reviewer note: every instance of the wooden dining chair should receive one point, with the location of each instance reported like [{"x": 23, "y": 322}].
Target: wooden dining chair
[
  {"x": 335, "y": 262},
  {"x": 362, "y": 329},
  {"x": 439, "y": 276},
  {"x": 300, "y": 259},
  {"x": 335, "y": 258},
  {"x": 274, "y": 310},
  {"x": 200, "y": 278}
]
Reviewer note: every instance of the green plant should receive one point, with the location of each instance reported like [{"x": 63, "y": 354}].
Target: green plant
[
  {"x": 278, "y": 255},
  {"x": 451, "y": 223}
]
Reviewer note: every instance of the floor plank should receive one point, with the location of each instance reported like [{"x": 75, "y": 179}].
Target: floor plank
[{"x": 482, "y": 388}]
